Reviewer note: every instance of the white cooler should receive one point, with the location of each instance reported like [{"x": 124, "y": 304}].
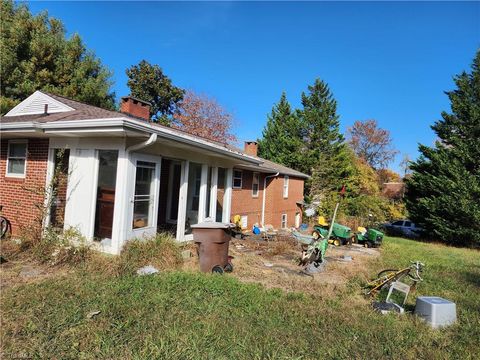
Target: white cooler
[{"x": 437, "y": 312}]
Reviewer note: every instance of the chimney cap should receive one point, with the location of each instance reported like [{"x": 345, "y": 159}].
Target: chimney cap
[
  {"x": 143, "y": 102},
  {"x": 251, "y": 142}
]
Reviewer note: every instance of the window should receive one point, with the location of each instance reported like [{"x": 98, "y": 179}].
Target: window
[
  {"x": 397, "y": 223},
  {"x": 407, "y": 224},
  {"x": 255, "y": 182},
  {"x": 284, "y": 221},
  {"x": 285, "y": 186},
  {"x": 237, "y": 179},
  {"x": 17, "y": 158}
]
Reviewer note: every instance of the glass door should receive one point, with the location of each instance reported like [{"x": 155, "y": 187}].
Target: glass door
[{"x": 144, "y": 195}]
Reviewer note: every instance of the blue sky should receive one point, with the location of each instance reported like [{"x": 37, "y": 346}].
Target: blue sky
[{"x": 388, "y": 61}]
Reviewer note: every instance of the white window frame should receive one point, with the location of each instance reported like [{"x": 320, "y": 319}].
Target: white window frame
[
  {"x": 284, "y": 222},
  {"x": 255, "y": 176},
  {"x": 237, "y": 178},
  {"x": 14, "y": 175},
  {"x": 286, "y": 181}
]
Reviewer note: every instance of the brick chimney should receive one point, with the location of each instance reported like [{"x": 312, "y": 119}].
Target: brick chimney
[
  {"x": 135, "y": 107},
  {"x": 251, "y": 148}
]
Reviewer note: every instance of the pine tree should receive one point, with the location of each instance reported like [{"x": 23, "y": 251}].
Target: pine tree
[
  {"x": 281, "y": 138},
  {"x": 326, "y": 157},
  {"x": 36, "y": 55},
  {"x": 443, "y": 194}
]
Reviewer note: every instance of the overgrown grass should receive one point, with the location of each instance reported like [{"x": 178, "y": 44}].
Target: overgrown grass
[
  {"x": 50, "y": 247},
  {"x": 160, "y": 251},
  {"x": 178, "y": 315}
]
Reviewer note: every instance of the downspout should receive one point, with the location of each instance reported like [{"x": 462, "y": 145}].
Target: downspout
[
  {"x": 265, "y": 195},
  {"x": 149, "y": 141}
]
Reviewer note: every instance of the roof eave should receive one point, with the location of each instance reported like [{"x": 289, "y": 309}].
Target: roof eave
[{"x": 121, "y": 123}]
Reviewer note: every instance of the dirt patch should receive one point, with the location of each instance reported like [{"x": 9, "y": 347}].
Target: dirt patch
[
  {"x": 274, "y": 264},
  {"x": 23, "y": 271}
]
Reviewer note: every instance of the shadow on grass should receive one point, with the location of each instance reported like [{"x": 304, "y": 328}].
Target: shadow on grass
[{"x": 472, "y": 277}]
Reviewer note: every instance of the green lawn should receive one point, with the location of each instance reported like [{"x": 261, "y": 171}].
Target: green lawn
[{"x": 178, "y": 315}]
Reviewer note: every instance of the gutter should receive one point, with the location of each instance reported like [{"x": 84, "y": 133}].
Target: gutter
[
  {"x": 122, "y": 123},
  {"x": 265, "y": 195}
]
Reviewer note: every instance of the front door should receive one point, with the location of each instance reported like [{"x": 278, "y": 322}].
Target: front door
[{"x": 146, "y": 185}]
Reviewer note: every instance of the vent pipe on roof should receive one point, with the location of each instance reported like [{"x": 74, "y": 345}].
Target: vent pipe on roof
[{"x": 45, "y": 109}]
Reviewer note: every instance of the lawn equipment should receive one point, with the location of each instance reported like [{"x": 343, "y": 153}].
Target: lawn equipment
[
  {"x": 368, "y": 237},
  {"x": 340, "y": 234}
]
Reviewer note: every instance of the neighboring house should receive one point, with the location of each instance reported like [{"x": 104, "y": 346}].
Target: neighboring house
[{"x": 119, "y": 176}]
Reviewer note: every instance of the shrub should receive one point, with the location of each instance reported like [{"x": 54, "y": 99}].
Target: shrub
[{"x": 160, "y": 251}]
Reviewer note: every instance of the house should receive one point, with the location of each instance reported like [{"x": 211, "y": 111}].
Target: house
[{"x": 120, "y": 176}]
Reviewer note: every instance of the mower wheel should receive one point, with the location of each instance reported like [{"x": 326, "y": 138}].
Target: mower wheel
[
  {"x": 368, "y": 244},
  {"x": 337, "y": 242},
  {"x": 353, "y": 239},
  {"x": 217, "y": 269},
  {"x": 228, "y": 267},
  {"x": 316, "y": 235}
]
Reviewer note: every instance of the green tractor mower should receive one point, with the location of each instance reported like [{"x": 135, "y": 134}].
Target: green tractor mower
[
  {"x": 368, "y": 237},
  {"x": 341, "y": 234}
]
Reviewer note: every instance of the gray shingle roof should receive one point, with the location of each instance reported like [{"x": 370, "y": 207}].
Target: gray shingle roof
[{"x": 85, "y": 112}]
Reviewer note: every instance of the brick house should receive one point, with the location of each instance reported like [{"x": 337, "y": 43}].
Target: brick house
[
  {"x": 120, "y": 176},
  {"x": 278, "y": 205}
]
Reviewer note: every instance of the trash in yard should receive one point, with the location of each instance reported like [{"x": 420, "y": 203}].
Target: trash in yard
[
  {"x": 29, "y": 271},
  {"x": 240, "y": 246},
  {"x": 268, "y": 264},
  {"x": 346, "y": 258},
  {"x": 313, "y": 268},
  {"x": 91, "y": 314},
  {"x": 186, "y": 254},
  {"x": 436, "y": 311},
  {"x": 147, "y": 270},
  {"x": 384, "y": 307},
  {"x": 386, "y": 277}
]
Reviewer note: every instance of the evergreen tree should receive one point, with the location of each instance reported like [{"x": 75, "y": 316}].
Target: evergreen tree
[
  {"x": 443, "y": 193},
  {"x": 281, "y": 138},
  {"x": 36, "y": 55},
  {"x": 148, "y": 82},
  {"x": 325, "y": 157}
]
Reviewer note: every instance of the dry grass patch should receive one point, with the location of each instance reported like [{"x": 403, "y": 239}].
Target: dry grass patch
[{"x": 274, "y": 265}]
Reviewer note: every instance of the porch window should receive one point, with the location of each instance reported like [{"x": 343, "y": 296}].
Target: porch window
[
  {"x": 144, "y": 192},
  {"x": 255, "y": 182},
  {"x": 284, "y": 221},
  {"x": 285, "y": 186},
  {"x": 237, "y": 179},
  {"x": 17, "y": 158},
  {"x": 107, "y": 179},
  {"x": 193, "y": 195}
]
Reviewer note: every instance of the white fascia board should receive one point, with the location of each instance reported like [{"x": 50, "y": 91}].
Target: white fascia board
[
  {"x": 124, "y": 122},
  {"x": 188, "y": 139}
]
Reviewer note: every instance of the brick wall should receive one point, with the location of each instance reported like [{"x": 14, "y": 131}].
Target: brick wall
[
  {"x": 16, "y": 194},
  {"x": 275, "y": 205},
  {"x": 243, "y": 203}
]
